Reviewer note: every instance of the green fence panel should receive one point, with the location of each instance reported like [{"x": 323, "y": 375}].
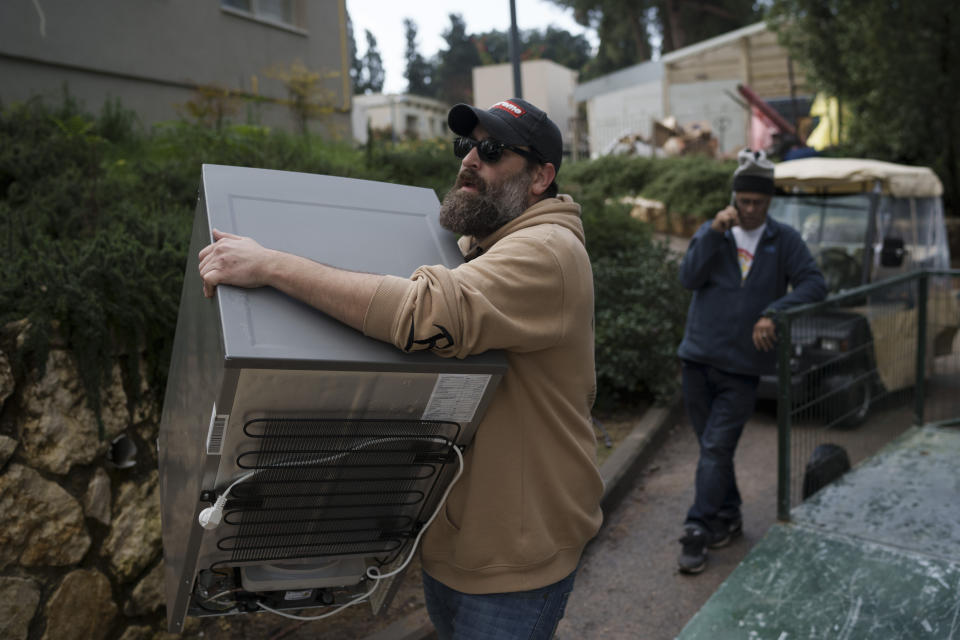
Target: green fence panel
[{"x": 856, "y": 370}]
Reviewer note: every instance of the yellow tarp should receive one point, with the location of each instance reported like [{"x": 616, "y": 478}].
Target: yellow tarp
[{"x": 827, "y": 132}]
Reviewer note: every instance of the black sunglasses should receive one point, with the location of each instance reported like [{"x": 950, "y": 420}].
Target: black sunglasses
[{"x": 489, "y": 150}]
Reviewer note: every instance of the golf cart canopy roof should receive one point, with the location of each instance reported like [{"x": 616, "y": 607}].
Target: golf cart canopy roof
[{"x": 852, "y": 175}]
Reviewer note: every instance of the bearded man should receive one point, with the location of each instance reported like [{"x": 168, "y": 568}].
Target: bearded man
[{"x": 499, "y": 562}]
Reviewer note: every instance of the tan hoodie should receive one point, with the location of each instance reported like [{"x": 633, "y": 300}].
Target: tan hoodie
[{"x": 529, "y": 497}]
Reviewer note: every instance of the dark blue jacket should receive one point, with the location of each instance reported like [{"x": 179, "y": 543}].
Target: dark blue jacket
[{"x": 724, "y": 309}]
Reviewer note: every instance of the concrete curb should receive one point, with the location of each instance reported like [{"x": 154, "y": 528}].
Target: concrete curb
[
  {"x": 623, "y": 465},
  {"x": 618, "y": 472}
]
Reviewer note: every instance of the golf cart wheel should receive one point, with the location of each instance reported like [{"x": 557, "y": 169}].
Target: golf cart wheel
[
  {"x": 849, "y": 401},
  {"x": 827, "y": 463}
]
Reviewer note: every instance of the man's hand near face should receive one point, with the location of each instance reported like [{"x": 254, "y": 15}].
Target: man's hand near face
[{"x": 725, "y": 219}]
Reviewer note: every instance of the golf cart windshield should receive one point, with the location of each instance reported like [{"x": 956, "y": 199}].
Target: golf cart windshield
[
  {"x": 835, "y": 230},
  {"x": 864, "y": 220},
  {"x": 918, "y": 224},
  {"x": 908, "y": 234}
]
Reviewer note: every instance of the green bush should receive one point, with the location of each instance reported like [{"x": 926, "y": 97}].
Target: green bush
[
  {"x": 640, "y": 305},
  {"x": 86, "y": 249},
  {"x": 610, "y": 229},
  {"x": 596, "y": 182},
  {"x": 424, "y": 163},
  {"x": 691, "y": 185},
  {"x": 95, "y": 216},
  {"x": 640, "y": 311}
]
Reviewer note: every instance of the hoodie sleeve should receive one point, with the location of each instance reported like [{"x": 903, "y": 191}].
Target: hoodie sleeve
[
  {"x": 509, "y": 298},
  {"x": 700, "y": 259},
  {"x": 806, "y": 281}
]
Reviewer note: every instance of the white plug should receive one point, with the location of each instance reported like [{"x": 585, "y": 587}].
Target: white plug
[{"x": 211, "y": 516}]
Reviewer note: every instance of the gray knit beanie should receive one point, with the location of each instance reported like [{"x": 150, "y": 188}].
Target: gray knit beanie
[{"x": 754, "y": 172}]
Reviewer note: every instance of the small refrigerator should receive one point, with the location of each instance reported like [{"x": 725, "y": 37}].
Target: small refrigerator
[{"x": 332, "y": 449}]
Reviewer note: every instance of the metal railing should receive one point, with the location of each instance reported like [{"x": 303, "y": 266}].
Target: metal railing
[{"x": 858, "y": 369}]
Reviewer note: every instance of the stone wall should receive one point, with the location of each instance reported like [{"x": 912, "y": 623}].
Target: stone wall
[
  {"x": 80, "y": 533},
  {"x": 80, "y": 548}
]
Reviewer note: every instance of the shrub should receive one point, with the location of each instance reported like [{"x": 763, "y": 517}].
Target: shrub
[
  {"x": 89, "y": 251},
  {"x": 610, "y": 230},
  {"x": 640, "y": 305},
  {"x": 595, "y": 182},
  {"x": 640, "y": 311},
  {"x": 691, "y": 185},
  {"x": 426, "y": 163},
  {"x": 95, "y": 216},
  {"x": 85, "y": 251}
]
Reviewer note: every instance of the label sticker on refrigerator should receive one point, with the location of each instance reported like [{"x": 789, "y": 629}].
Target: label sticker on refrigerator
[
  {"x": 456, "y": 397},
  {"x": 218, "y": 424}
]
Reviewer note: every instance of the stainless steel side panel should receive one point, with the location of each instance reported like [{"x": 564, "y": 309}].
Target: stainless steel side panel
[{"x": 194, "y": 383}]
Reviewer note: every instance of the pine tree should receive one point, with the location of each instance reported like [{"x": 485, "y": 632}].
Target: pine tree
[
  {"x": 419, "y": 72},
  {"x": 904, "y": 101},
  {"x": 356, "y": 66},
  {"x": 373, "y": 65},
  {"x": 454, "y": 77}
]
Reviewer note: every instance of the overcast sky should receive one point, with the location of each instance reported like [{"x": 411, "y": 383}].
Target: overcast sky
[{"x": 384, "y": 19}]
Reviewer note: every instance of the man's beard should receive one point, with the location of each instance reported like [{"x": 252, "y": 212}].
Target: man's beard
[{"x": 480, "y": 213}]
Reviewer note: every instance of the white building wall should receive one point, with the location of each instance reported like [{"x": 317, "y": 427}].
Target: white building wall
[
  {"x": 613, "y": 115},
  {"x": 154, "y": 56},
  {"x": 709, "y": 102},
  {"x": 494, "y": 83},
  {"x": 632, "y": 110},
  {"x": 702, "y": 81},
  {"x": 544, "y": 82},
  {"x": 424, "y": 118}
]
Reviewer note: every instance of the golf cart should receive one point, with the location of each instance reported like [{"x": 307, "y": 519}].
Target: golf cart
[{"x": 864, "y": 221}]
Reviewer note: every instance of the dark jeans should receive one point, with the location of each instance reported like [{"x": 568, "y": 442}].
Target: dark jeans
[
  {"x": 718, "y": 404},
  {"x": 520, "y": 615}
]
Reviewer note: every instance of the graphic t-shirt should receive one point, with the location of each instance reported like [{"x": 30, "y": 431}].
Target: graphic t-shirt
[{"x": 747, "y": 242}]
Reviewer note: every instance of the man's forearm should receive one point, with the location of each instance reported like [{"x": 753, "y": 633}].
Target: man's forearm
[{"x": 341, "y": 294}]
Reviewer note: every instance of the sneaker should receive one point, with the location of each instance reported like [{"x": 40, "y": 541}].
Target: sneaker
[
  {"x": 693, "y": 556},
  {"x": 729, "y": 530}
]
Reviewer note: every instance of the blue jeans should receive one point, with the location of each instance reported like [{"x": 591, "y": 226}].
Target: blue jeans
[
  {"x": 718, "y": 404},
  {"x": 520, "y": 615}
]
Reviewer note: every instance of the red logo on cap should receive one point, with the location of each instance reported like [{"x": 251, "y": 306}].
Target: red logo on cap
[{"x": 511, "y": 108}]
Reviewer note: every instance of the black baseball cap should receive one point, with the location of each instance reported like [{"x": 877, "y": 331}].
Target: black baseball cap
[{"x": 515, "y": 122}]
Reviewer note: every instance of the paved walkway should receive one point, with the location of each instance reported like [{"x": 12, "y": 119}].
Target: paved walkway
[{"x": 628, "y": 587}]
